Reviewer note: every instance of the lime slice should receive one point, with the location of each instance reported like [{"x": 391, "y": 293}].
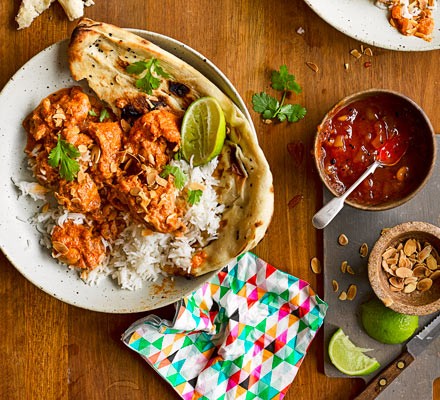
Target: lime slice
[
  {"x": 386, "y": 325},
  {"x": 203, "y": 131},
  {"x": 349, "y": 358}
]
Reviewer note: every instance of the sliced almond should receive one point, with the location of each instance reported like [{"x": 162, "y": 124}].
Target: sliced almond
[
  {"x": 409, "y": 288},
  {"x": 403, "y": 272},
  {"x": 343, "y": 239},
  {"x": 312, "y": 66},
  {"x": 161, "y": 181},
  {"x": 410, "y": 247},
  {"x": 350, "y": 270},
  {"x": 315, "y": 264},
  {"x": 420, "y": 271},
  {"x": 424, "y": 284},
  {"x": 343, "y": 296},
  {"x": 431, "y": 262},
  {"x": 135, "y": 191},
  {"x": 344, "y": 266},
  {"x": 335, "y": 285},
  {"x": 351, "y": 292},
  {"x": 423, "y": 255},
  {"x": 387, "y": 302},
  {"x": 363, "y": 250},
  {"x": 60, "y": 248},
  {"x": 396, "y": 282},
  {"x": 435, "y": 275}
]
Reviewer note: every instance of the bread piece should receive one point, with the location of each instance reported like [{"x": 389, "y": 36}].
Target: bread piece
[{"x": 29, "y": 10}]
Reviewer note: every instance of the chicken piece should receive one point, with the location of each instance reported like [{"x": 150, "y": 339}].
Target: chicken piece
[
  {"x": 106, "y": 157},
  {"x": 77, "y": 246},
  {"x": 154, "y": 136},
  {"x": 80, "y": 195},
  {"x": 157, "y": 207},
  {"x": 62, "y": 109}
]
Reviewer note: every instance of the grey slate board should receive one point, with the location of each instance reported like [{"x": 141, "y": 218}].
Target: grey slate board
[{"x": 363, "y": 226}]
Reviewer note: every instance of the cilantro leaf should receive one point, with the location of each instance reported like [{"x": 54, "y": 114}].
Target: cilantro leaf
[
  {"x": 103, "y": 115},
  {"x": 194, "y": 196},
  {"x": 179, "y": 176},
  {"x": 149, "y": 73},
  {"x": 283, "y": 81},
  {"x": 63, "y": 156},
  {"x": 93, "y": 113},
  {"x": 293, "y": 112},
  {"x": 265, "y": 104},
  {"x": 269, "y": 107}
]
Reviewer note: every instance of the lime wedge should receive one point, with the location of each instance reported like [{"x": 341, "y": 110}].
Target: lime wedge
[
  {"x": 203, "y": 131},
  {"x": 349, "y": 358}
]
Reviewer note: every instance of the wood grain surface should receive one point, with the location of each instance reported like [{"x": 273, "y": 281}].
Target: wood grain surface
[{"x": 50, "y": 350}]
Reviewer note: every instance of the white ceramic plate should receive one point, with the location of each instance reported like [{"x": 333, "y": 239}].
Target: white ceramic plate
[
  {"x": 362, "y": 20},
  {"x": 45, "y": 73}
]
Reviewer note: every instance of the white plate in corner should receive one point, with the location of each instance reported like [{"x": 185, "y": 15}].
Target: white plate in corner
[
  {"x": 362, "y": 20},
  {"x": 44, "y": 74}
]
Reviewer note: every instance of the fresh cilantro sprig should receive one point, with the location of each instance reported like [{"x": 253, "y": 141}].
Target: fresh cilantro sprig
[
  {"x": 270, "y": 108},
  {"x": 179, "y": 175},
  {"x": 63, "y": 156},
  {"x": 194, "y": 196},
  {"x": 149, "y": 73}
]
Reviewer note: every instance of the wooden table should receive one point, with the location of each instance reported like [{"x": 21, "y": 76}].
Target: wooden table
[{"x": 50, "y": 350}]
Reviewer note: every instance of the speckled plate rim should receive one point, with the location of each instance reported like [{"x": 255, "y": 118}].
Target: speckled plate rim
[
  {"x": 45, "y": 73},
  {"x": 362, "y": 20}
]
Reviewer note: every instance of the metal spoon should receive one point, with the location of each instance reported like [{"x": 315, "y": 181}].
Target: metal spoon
[{"x": 389, "y": 154}]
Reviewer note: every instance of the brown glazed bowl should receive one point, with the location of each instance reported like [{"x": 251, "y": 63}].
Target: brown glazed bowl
[
  {"x": 393, "y": 288},
  {"x": 350, "y": 136}
]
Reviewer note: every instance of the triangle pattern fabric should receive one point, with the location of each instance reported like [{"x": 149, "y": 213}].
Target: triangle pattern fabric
[{"x": 240, "y": 336}]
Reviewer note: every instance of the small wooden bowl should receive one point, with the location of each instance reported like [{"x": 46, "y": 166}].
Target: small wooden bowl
[
  {"x": 416, "y": 302},
  {"x": 425, "y": 134}
]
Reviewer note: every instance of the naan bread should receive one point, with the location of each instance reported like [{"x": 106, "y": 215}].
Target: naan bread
[{"x": 100, "y": 53}]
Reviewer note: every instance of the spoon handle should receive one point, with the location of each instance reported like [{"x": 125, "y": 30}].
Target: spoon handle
[{"x": 326, "y": 214}]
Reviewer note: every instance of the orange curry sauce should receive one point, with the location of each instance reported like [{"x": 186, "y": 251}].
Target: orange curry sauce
[
  {"x": 349, "y": 142},
  {"x": 119, "y": 175}
]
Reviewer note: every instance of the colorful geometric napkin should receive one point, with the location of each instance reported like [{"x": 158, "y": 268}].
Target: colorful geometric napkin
[{"x": 242, "y": 335}]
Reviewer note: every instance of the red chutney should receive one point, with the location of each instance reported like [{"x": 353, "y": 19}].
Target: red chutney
[{"x": 350, "y": 141}]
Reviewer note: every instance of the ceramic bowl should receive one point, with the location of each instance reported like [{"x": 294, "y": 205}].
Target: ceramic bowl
[
  {"x": 344, "y": 148},
  {"x": 404, "y": 289}
]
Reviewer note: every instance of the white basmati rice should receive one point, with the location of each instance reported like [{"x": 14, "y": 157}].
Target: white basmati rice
[{"x": 135, "y": 258}]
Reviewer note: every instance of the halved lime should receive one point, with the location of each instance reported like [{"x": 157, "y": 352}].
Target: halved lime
[
  {"x": 203, "y": 131},
  {"x": 386, "y": 325},
  {"x": 349, "y": 358}
]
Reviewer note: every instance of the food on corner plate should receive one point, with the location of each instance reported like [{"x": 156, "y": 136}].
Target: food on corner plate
[
  {"x": 31, "y": 9},
  {"x": 411, "y": 18},
  {"x": 155, "y": 172}
]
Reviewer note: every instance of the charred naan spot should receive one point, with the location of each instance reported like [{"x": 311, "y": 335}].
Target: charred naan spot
[
  {"x": 223, "y": 223},
  {"x": 179, "y": 89},
  {"x": 258, "y": 223},
  {"x": 129, "y": 112}
]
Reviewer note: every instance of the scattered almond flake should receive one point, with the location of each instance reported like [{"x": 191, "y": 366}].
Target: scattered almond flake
[
  {"x": 267, "y": 121},
  {"x": 368, "y": 52},
  {"x": 356, "y": 54},
  {"x": 343, "y": 239},
  {"x": 362, "y": 48},
  {"x": 300, "y": 30},
  {"x": 295, "y": 200},
  {"x": 351, "y": 292},
  {"x": 343, "y": 295},
  {"x": 384, "y": 231},
  {"x": 315, "y": 264},
  {"x": 363, "y": 250},
  {"x": 387, "y": 302},
  {"x": 346, "y": 65},
  {"x": 312, "y": 66},
  {"x": 335, "y": 285},
  {"x": 344, "y": 266},
  {"x": 350, "y": 270}
]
